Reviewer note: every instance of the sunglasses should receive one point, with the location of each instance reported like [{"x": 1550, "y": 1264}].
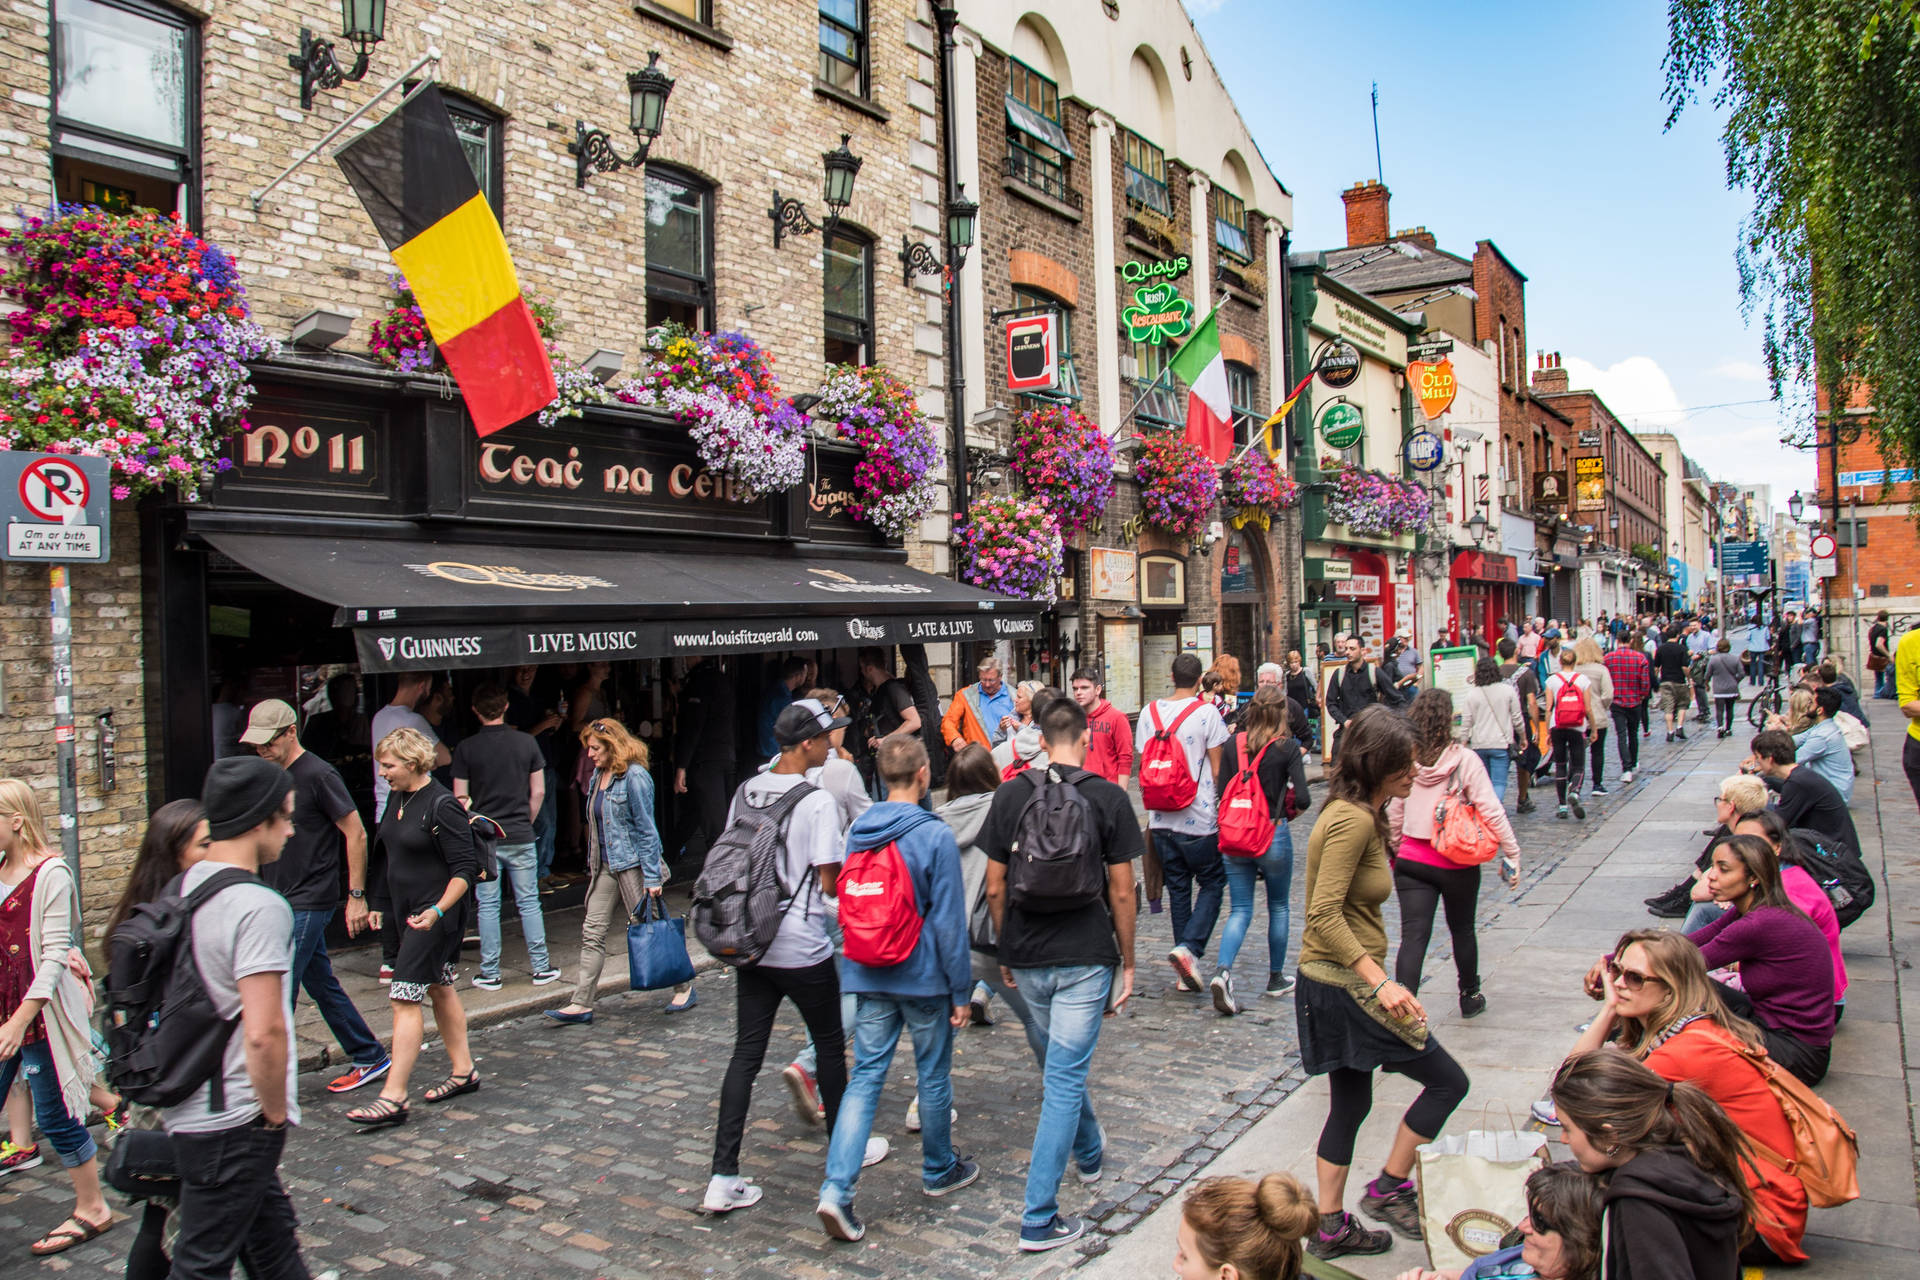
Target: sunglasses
[
  {"x": 602, "y": 726},
  {"x": 1631, "y": 980},
  {"x": 1538, "y": 1221}
]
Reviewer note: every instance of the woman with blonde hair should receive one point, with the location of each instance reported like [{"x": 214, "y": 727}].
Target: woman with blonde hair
[
  {"x": 624, "y": 856},
  {"x": 431, "y": 865},
  {"x": 1590, "y": 662},
  {"x": 1253, "y": 1229},
  {"x": 1023, "y": 745}
]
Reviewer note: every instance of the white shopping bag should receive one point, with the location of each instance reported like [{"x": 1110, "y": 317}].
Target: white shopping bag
[{"x": 1473, "y": 1190}]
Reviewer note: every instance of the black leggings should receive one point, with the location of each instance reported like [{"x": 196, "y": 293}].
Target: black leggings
[
  {"x": 1422, "y": 888},
  {"x": 815, "y": 991},
  {"x": 1597, "y": 754},
  {"x": 1445, "y": 1088}
]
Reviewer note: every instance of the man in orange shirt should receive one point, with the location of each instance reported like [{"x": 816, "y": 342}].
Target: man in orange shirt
[{"x": 981, "y": 713}]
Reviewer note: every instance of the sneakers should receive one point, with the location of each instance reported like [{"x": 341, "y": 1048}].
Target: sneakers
[
  {"x": 386, "y": 973},
  {"x": 913, "y": 1116},
  {"x": 725, "y": 1194},
  {"x": 1062, "y": 1230},
  {"x": 1353, "y": 1237},
  {"x": 1222, "y": 988},
  {"x": 15, "y": 1159},
  {"x": 839, "y": 1222},
  {"x": 1578, "y": 810},
  {"x": 545, "y": 976},
  {"x": 1278, "y": 984},
  {"x": 877, "y": 1150},
  {"x": 1185, "y": 969},
  {"x": 1399, "y": 1209},
  {"x": 1596, "y": 790},
  {"x": 485, "y": 983},
  {"x": 964, "y": 1173},
  {"x": 1627, "y": 776},
  {"x": 1472, "y": 1004},
  {"x": 980, "y": 1005},
  {"x": 1525, "y": 806},
  {"x": 358, "y": 1076},
  {"x": 1669, "y": 735},
  {"x": 806, "y": 1094},
  {"x": 1673, "y": 904},
  {"x": 1561, "y": 813},
  {"x": 1545, "y": 1113},
  {"x": 1680, "y": 734},
  {"x": 1090, "y": 1174}
]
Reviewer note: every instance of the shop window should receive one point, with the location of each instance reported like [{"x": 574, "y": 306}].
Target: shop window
[
  {"x": 1243, "y": 390},
  {"x": 126, "y": 105},
  {"x": 1146, "y": 174},
  {"x": 1069, "y": 388},
  {"x": 847, "y": 261},
  {"x": 679, "y": 249},
  {"x": 481, "y": 133},
  {"x": 1159, "y": 396},
  {"x": 843, "y": 45},
  {"x": 1230, "y": 226},
  {"x": 1037, "y": 148}
]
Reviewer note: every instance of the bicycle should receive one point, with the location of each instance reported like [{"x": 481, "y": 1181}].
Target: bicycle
[{"x": 1771, "y": 698}]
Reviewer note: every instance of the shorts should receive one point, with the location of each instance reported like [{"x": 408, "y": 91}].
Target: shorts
[{"x": 1674, "y": 696}]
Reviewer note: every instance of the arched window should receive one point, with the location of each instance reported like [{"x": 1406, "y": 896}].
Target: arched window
[
  {"x": 679, "y": 249},
  {"x": 847, "y": 264}
]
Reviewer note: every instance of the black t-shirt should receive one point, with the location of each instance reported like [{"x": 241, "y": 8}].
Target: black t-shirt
[
  {"x": 1877, "y": 636},
  {"x": 1041, "y": 940},
  {"x": 524, "y": 710},
  {"x": 498, "y": 765},
  {"x": 887, "y": 707},
  {"x": 307, "y": 873},
  {"x": 1808, "y": 800},
  {"x": 1670, "y": 659}
]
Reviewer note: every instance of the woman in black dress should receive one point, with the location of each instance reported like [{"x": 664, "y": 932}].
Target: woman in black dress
[{"x": 430, "y": 864}]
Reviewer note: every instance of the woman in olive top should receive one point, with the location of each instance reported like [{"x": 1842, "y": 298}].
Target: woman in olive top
[{"x": 1353, "y": 1017}]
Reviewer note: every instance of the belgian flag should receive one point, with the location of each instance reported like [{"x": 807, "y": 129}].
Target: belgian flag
[{"x": 412, "y": 175}]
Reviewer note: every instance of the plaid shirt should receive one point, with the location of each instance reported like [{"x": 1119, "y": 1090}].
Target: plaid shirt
[{"x": 1632, "y": 676}]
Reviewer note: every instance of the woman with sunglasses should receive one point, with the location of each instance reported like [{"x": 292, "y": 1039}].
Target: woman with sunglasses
[
  {"x": 1559, "y": 1237},
  {"x": 624, "y": 857}
]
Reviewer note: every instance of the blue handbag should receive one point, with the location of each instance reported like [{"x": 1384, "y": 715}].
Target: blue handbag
[{"x": 657, "y": 949}]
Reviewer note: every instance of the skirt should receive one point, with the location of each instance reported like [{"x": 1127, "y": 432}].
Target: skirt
[
  {"x": 428, "y": 957},
  {"x": 1335, "y": 1033}
]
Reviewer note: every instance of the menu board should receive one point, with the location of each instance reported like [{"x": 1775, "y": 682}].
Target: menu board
[
  {"x": 1453, "y": 671},
  {"x": 1372, "y": 626},
  {"x": 1198, "y": 640},
  {"x": 1120, "y": 651},
  {"x": 1156, "y": 660}
]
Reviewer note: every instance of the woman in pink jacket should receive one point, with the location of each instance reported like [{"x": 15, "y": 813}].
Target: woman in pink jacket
[{"x": 1424, "y": 879}]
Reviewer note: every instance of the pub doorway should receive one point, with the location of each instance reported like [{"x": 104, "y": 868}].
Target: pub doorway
[{"x": 1244, "y": 625}]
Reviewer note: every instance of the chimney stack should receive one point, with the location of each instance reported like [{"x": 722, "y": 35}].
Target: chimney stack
[
  {"x": 1420, "y": 236},
  {"x": 1366, "y": 213},
  {"x": 1549, "y": 378}
]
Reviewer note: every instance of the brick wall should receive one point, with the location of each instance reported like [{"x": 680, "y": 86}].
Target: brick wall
[{"x": 1889, "y": 564}]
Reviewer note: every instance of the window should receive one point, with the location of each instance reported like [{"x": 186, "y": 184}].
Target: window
[
  {"x": 1146, "y": 174},
  {"x": 1069, "y": 388},
  {"x": 1230, "y": 225},
  {"x": 679, "y": 250},
  {"x": 696, "y": 10},
  {"x": 847, "y": 263},
  {"x": 843, "y": 44},
  {"x": 126, "y": 116},
  {"x": 480, "y": 137},
  {"x": 1161, "y": 405},
  {"x": 1037, "y": 149},
  {"x": 1243, "y": 390}
]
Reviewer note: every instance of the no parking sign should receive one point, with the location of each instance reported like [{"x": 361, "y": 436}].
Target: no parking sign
[{"x": 55, "y": 507}]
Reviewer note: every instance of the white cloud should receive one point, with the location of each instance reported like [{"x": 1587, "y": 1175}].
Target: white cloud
[
  {"x": 1739, "y": 371},
  {"x": 1636, "y": 389}
]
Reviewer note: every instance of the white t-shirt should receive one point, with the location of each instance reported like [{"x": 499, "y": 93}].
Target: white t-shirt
[
  {"x": 815, "y": 838},
  {"x": 1554, "y": 682},
  {"x": 242, "y": 930},
  {"x": 840, "y": 778},
  {"x": 1203, "y": 731},
  {"x": 385, "y": 721}
]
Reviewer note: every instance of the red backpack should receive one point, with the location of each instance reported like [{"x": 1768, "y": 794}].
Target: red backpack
[
  {"x": 1014, "y": 769},
  {"x": 878, "y": 913},
  {"x": 1167, "y": 784},
  {"x": 1569, "y": 704},
  {"x": 1246, "y": 823}
]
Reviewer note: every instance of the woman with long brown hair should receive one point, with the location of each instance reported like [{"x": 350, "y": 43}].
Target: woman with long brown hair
[
  {"x": 625, "y": 859},
  {"x": 1353, "y": 1017},
  {"x": 1264, "y": 745},
  {"x": 1677, "y": 1202},
  {"x": 1424, "y": 879}
]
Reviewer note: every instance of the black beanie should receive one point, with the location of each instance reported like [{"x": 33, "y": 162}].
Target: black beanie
[{"x": 240, "y": 793}]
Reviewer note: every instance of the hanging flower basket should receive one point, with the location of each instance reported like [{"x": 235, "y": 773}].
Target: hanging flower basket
[
  {"x": 1010, "y": 545},
  {"x": 131, "y": 344},
  {"x": 871, "y": 408},
  {"x": 1374, "y": 505},
  {"x": 720, "y": 386},
  {"x": 1065, "y": 460},
  {"x": 1254, "y": 489},
  {"x": 1178, "y": 484}
]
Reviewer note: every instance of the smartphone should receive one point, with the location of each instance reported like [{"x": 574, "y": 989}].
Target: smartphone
[{"x": 1509, "y": 870}]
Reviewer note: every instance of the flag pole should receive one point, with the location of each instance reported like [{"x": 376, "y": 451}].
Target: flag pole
[
  {"x": 432, "y": 55},
  {"x": 1151, "y": 386}
]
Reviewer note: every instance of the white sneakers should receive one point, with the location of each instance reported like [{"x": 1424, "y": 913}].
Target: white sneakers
[
  {"x": 1627, "y": 776},
  {"x": 725, "y": 1194},
  {"x": 877, "y": 1150},
  {"x": 913, "y": 1116}
]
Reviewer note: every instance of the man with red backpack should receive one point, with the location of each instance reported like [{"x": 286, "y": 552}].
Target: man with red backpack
[
  {"x": 1573, "y": 721},
  {"x": 1178, "y": 742},
  {"x": 903, "y": 916}
]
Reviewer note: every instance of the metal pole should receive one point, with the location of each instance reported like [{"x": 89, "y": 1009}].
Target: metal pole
[
  {"x": 431, "y": 55},
  {"x": 64, "y": 765},
  {"x": 1853, "y": 578},
  {"x": 946, "y": 17}
]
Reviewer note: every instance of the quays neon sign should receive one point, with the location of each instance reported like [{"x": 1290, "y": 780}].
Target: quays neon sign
[{"x": 1171, "y": 269}]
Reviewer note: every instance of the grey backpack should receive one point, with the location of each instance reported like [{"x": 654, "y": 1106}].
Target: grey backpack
[{"x": 738, "y": 901}]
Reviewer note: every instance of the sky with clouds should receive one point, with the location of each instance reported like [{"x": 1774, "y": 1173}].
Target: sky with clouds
[{"x": 1539, "y": 127}]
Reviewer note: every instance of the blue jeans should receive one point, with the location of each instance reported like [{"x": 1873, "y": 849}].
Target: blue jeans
[
  {"x": 1809, "y": 652},
  {"x": 1067, "y": 1003},
  {"x": 518, "y": 863},
  {"x": 1275, "y": 869},
  {"x": 1186, "y": 861},
  {"x": 1499, "y": 763},
  {"x": 876, "y": 1031},
  {"x": 1701, "y": 915},
  {"x": 67, "y": 1134},
  {"x": 1883, "y": 682},
  {"x": 545, "y": 825},
  {"x": 315, "y": 967}
]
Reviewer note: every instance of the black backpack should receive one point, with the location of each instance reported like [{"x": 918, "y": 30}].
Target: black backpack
[
  {"x": 164, "y": 1038},
  {"x": 486, "y": 834},
  {"x": 1839, "y": 873},
  {"x": 738, "y": 901},
  {"x": 1054, "y": 862}
]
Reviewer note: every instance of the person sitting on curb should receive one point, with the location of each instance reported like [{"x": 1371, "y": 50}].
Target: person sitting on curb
[
  {"x": 1559, "y": 1237},
  {"x": 1817, "y": 741},
  {"x": 1803, "y": 797}
]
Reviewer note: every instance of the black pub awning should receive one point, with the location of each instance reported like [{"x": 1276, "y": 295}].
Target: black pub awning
[{"x": 420, "y": 605}]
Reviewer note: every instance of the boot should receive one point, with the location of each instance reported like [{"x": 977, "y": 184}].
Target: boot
[{"x": 1673, "y": 904}]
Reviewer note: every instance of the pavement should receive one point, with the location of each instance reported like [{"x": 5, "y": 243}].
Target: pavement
[{"x": 587, "y": 1149}]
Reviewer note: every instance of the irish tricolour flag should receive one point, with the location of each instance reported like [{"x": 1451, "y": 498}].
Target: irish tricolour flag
[{"x": 1209, "y": 409}]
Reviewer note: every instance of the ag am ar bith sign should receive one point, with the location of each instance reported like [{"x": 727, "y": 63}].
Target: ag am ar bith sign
[{"x": 56, "y": 507}]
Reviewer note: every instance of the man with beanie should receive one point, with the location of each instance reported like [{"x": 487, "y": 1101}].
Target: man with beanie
[{"x": 232, "y": 1204}]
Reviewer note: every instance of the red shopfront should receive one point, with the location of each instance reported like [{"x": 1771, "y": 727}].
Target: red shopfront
[{"x": 1483, "y": 589}]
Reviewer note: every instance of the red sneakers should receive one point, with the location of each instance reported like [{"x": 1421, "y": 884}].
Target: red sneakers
[{"x": 358, "y": 1076}]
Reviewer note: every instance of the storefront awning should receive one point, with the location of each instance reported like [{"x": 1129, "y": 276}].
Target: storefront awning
[{"x": 417, "y": 605}]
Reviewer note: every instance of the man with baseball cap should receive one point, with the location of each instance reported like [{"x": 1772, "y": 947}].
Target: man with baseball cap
[{"x": 326, "y": 826}]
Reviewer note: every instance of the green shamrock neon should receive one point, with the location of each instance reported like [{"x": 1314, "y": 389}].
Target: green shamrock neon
[{"x": 1159, "y": 313}]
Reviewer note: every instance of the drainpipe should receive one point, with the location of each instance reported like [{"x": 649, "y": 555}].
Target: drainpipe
[{"x": 946, "y": 18}]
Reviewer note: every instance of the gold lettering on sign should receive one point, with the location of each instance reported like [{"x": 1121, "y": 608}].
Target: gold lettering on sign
[
  {"x": 828, "y": 500},
  {"x": 524, "y": 469},
  {"x": 635, "y": 480}
]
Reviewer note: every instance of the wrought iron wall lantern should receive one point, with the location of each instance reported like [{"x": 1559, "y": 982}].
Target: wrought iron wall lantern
[
  {"x": 917, "y": 259},
  {"x": 790, "y": 216},
  {"x": 647, "y": 92},
  {"x": 363, "y": 24}
]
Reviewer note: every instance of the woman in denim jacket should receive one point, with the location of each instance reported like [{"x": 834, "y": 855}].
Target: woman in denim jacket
[{"x": 623, "y": 855}]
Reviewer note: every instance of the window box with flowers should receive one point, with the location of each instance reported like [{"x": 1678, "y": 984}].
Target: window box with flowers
[
  {"x": 1179, "y": 486},
  {"x": 1373, "y": 505},
  {"x": 875, "y": 411},
  {"x": 1010, "y": 545},
  {"x": 130, "y": 343},
  {"x": 1255, "y": 490},
  {"x": 1063, "y": 459}
]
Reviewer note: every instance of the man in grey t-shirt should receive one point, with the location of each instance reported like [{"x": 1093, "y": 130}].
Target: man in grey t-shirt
[{"x": 232, "y": 1204}]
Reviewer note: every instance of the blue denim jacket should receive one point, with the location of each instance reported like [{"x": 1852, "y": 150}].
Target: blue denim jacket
[{"x": 631, "y": 839}]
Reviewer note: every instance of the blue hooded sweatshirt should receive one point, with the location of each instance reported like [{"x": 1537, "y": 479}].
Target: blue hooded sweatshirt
[{"x": 940, "y": 966}]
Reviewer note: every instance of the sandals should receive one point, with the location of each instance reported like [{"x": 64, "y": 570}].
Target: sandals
[
  {"x": 453, "y": 1087},
  {"x": 379, "y": 1113},
  {"x": 65, "y": 1236}
]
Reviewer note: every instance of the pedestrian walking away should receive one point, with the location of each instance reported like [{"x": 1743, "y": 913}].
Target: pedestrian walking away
[
  {"x": 1178, "y": 741},
  {"x": 1266, "y": 785},
  {"x": 1060, "y": 844},
  {"x": 1671, "y": 662},
  {"x": 1574, "y": 718},
  {"x": 1353, "y": 1017},
  {"x": 500, "y": 772},
  {"x": 1589, "y": 664},
  {"x": 431, "y": 864},
  {"x": 1519, "y": 675},
  {"x": 1492, "y": 725},
  {"x": 1723, "y": 674}
]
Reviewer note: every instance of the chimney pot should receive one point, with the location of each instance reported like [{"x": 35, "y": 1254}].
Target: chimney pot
[{"x": 1367, "y": 222}]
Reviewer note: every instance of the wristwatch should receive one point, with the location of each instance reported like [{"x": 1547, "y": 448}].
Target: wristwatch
[{"x": 356, "y": 893}]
